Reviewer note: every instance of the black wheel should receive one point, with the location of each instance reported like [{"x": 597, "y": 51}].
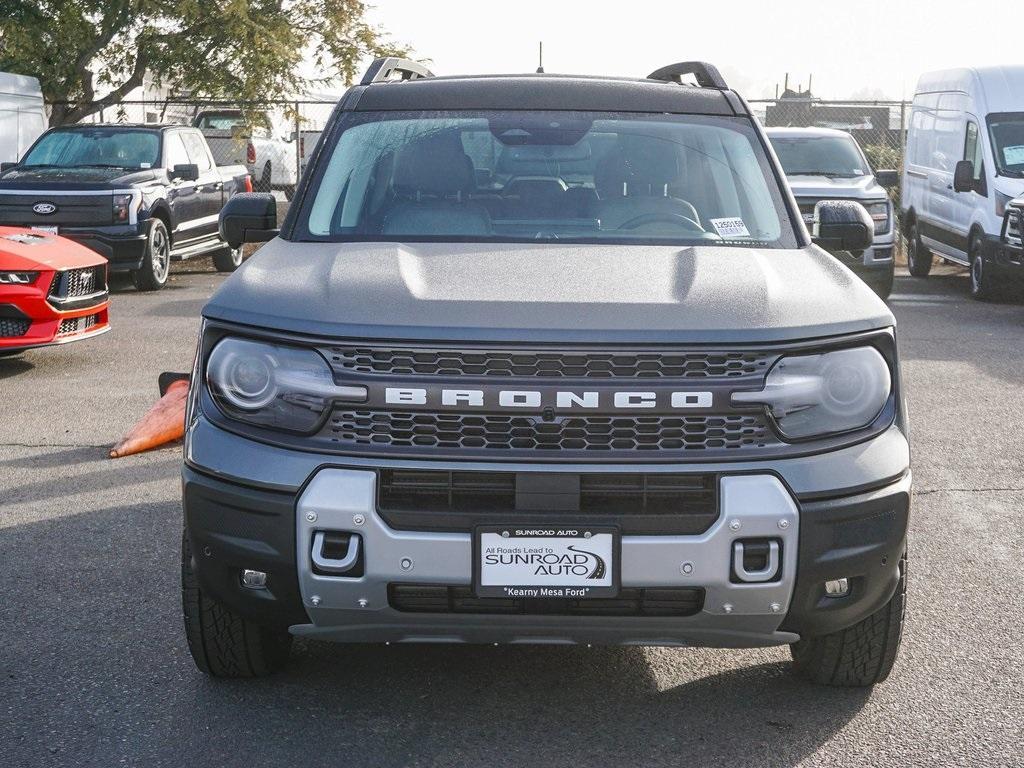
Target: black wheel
[
  {"x": 265, "y": 183},
  {"x": 919, "y": 258},
  {"x": 883, "y": 285},
  {"x": 227, "y": 259},
  {"x": 982, "y": 285},
  {"x": 860, "y": 655},
  {"x": 221, "y": 642},
  {"x": 156, "y": 264}
]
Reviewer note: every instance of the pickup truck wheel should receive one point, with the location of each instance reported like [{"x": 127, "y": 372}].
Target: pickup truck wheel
[
  {"x": 222, "y": 643},
  {"x": 883, "y": 286},
  {"x": 919, "y": 258},
  {"x": 857, "y": 656},
  {"x": 156, "y": 263},
  {"x": 227, "y": 259},
  {"x": 265, "y": 183}
]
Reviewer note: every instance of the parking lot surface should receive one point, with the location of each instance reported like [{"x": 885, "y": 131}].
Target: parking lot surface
[{"x": 94, "y": 669}]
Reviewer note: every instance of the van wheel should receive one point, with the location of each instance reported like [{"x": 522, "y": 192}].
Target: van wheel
[
  {"x": 227, "y": 259},
  {"x": 982, "y": 287},
  {"x": 156, "y": 263},
  {"x": 919, "y": 258},
  {"x": 265, "y": 183},
  {"x": 222, "y": 643},
  {"x": 860, "y": 655}
]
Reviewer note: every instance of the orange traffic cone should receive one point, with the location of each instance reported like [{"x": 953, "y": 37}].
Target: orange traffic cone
[{"x": 164, "y": 423}]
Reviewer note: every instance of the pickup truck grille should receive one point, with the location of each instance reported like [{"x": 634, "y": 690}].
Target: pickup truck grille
[
  {"x": 679, "y": 435},
  {"x": 1014, "y": 228},
  {"x": 71, "y": 210},
  {"x": 537, "y": 363}
]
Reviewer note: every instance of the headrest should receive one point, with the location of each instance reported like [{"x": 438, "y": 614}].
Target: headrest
[
  {"x": 639, "y": 165},
  {"x": 434, "y": 165}
]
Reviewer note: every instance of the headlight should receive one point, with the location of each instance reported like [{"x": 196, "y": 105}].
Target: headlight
[
  {"x": 122, "y": 207},
  {"x": 879, "y": 213},
  {"x": 273, "y": 385},
  {"x": 18, "y": 278},
  {"x": 1001, "y": 202},
  {"x": 825, "y": 394}
]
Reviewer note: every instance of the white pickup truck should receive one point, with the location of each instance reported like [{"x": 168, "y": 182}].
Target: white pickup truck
[{"x": 235, "y": 138}]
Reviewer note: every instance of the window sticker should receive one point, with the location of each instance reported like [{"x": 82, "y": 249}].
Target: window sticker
[
  {"x": 730, "y": 227},
  {"x": 1014, "y": 155},
  {"x": 145, "y": 165}
]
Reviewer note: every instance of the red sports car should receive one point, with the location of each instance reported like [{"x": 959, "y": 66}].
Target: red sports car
[{"x": 52, "y": 290}]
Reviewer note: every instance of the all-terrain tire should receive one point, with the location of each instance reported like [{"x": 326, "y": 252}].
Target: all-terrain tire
[
  {"x": 857, "y": 656},
  {"x": 222, "y": 643},
  {"x": 919, "y": 258}
]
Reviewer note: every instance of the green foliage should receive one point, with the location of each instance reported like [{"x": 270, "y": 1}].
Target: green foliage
[{"x": 238, "y": 49}]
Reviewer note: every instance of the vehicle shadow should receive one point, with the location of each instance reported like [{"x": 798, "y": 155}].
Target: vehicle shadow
[{"x": 14, "y": 366}]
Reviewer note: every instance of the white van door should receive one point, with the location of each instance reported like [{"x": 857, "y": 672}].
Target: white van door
[
  {"x": 31, "y": 125},
  {"x": 943, "y": 232},
  {"x": 9, "y": 149},
  {"x": 966, "y": 203}
]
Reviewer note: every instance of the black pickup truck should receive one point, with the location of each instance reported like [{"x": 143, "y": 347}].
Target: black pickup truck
[{"x": 140, "y": 195}]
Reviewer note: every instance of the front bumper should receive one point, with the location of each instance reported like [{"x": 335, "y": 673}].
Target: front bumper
[
  {"x": 29, "y": 320},
  {"x": 859, "y": 537},
  {"x": 123, "y": 245}
]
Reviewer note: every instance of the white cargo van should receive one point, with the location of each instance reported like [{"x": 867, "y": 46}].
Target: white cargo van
[
  {"x": 22, "y": 115},
  {"x": 964, "y": 162}
]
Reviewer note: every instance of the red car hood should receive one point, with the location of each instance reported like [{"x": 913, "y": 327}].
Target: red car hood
[{"x": 28, "y": 250}]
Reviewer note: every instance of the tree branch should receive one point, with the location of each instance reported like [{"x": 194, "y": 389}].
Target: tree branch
[{"x": 134, "y": 81}]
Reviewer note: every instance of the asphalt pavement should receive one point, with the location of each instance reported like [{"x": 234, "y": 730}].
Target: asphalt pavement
[{"x": 94, "y": 669}]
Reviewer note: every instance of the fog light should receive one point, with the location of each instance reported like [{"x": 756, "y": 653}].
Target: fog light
[
  {"x": 837, "y": 588},
  {"x": 254, "y": 579}
]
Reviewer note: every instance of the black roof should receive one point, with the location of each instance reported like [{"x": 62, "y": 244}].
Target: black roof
[{"x": 544, "y": 92}]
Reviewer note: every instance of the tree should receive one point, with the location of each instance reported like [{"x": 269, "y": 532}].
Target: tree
[{"x": 90, "y": 54}]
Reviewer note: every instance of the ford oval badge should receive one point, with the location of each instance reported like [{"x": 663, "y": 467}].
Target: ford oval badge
[{"x": 44, "y": 209}]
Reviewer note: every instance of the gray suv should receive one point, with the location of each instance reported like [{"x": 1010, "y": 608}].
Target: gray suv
[{"x": 547, "y": 359}]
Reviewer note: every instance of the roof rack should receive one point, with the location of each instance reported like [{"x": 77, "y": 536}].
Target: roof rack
[
  {"x": 707, "y": 75},
  {"x": 382, "y": 69}
]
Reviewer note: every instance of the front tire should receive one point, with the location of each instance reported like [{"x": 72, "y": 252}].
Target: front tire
[
  {"x": 883, "y": 286},
  {"x": 919, "y": 258},
  {"x": 858, "y": 656},
  {"x": 156, "y": 263},
  {"x": 227, "y": 259},
  {"x": 222, "y": 643},
  {"x": 982, "y": 286}
]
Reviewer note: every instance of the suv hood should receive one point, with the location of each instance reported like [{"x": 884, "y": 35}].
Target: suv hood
[
  {"x": 529, "y": 293},
  {"x": 857, "y": 188}
]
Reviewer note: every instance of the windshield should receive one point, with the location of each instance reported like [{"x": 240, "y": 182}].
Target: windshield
[
  {"x": 568, "y": 176},
  {"x": 1007, "y": 129},
  {"x": 96, "y": 148},
  {"x": 220, "y": 122},
  {"x": 835, "y": 156}
]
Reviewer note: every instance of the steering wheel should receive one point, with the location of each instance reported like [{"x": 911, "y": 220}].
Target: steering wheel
[{"x": 667, "y": 218}]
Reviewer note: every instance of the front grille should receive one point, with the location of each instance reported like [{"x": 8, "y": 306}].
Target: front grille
[
  {"x": 620, "y": 434},
  {"x": 650, "y": 601},
  {"x": 653, "y": 503},
  {"x": 12, "y": 327},
  {"x": 410, "y": 361},
  {"x": 76, "y": 283},
  {"x": 76, "y": 324}
]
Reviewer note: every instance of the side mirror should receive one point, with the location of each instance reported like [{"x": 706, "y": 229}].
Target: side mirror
[
  {"x": 843, "y": 225},
  {"x": 249, "y": 217},
  {"x": 6, "y": 166},
  {"x": 185, "y": 172},
  {"x": 963, "y": 176},
  {"x": 888, "y": 178}
]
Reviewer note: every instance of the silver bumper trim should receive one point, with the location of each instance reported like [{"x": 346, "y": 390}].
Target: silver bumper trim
[{"x": 357, "y": 610}]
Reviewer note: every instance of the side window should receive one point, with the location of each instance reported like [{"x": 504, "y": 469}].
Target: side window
[
  {"x": 972, "y": 148},
  {"x": 196, "y": 148},
  {"x": 174, "y": 150}
]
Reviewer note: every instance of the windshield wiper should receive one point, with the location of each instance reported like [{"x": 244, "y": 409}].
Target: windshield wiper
[
  {"x": 100, "y": 165},
  {"x": 826, "y": 174}
]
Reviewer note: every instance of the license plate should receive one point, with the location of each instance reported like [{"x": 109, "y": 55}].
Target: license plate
[
  {"x": 50, "y": 230},
  {"x": 520, "y": 561}
]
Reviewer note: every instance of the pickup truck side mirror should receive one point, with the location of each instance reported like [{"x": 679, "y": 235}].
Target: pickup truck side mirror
[
  {"x": 6, "y": 166},
  {"x": 963, "y": 176},
  {"x": 249, "y": 217},
  {"x": 843, "y": 225},
  {"x": 888, "y": 178},
  {"x": 185, "y": 172}
]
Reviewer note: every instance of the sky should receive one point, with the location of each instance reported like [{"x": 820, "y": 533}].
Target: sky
[{"x": 864, "y": 49}]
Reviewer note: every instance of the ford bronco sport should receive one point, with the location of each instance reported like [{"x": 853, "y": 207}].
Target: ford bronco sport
[{"x": 546, "y": 359}]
